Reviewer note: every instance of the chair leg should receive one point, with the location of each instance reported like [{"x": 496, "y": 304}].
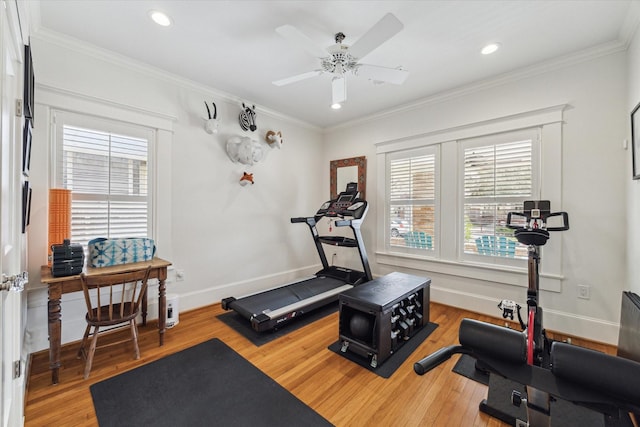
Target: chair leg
[
  {"x": 92, "y": 350},
  {"x": 82, "y": 352},
  {"x": 134, "y": 337}
]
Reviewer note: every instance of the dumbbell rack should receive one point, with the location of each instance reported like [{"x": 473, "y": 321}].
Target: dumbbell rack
[{"x": 389, "y": 311}]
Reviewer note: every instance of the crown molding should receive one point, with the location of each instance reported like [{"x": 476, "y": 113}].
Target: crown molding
[
  {"x": 87, "y": 49},
  {"x": 630, "y": 24},
  {"x": 502, "y": 79}
]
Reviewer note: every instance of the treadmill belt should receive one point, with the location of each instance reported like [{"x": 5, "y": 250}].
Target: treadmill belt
[{"x": 286, "y": 295}]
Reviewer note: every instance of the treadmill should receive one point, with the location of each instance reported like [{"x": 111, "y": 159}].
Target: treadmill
[{"x": 273, "y": 308}]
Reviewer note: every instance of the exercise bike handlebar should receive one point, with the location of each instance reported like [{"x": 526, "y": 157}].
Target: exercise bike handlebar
[{"x": 544, "y": 217}]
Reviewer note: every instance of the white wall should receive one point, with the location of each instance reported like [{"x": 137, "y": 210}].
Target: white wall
[
  {"x": 594, "y": 179},
  {"x": 229, "y": 240},
  {"x": 232, "y": 240},
  {"x": 633, "y": 193}
]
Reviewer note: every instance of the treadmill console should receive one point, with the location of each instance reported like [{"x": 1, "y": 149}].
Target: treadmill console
[{"x": 346, "y": 204}]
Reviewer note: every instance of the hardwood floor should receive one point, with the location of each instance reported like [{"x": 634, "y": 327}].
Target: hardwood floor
[{"x": 342, "y": 392}]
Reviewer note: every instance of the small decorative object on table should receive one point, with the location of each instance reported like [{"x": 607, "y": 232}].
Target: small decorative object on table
[
  {"x": 105, "y": 252},
  {"x": 67, "y": 259}
]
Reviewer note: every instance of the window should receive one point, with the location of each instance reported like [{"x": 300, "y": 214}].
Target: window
[
  {"x": 106, "y": 166},
  {"x": 411, "y": 199},
  {"x": 498, "y": 176}
]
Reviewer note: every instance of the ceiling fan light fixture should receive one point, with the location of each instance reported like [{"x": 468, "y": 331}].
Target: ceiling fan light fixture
[
  {"x": 340, "y": 59},
  {"x": 490, "y": 48},
  {"x": 160, "y": 18}
]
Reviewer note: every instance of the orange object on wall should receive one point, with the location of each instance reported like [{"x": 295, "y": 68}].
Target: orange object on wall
[{"x": 59, "y": 217}]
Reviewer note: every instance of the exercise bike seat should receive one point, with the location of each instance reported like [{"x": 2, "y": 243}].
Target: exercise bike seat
[{"x": 532, "y": 236}]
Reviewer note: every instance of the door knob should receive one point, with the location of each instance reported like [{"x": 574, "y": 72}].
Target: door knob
[{"x": 14, "y": 283}]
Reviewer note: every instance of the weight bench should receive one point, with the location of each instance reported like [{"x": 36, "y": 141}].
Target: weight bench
[{"x": 598, "y": 382}]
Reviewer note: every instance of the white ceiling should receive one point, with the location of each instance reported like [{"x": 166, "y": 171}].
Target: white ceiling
[{"x": 231, "y": 46}]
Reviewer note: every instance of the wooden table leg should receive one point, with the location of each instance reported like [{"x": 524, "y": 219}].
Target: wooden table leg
[
  {"x": 55, "y": 330},
  {"x": 162, "y": 304}
]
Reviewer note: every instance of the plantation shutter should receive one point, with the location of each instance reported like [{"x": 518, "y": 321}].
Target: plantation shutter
[
  {"x": 411, "y": 199},
  {"x": 498, "y": 178},
  {"x": 108, "y": 175}
]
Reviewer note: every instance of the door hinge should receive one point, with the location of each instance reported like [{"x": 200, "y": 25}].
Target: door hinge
[
  {"x": 17, "y": 369},
  {"x": 18, "y": 107}
]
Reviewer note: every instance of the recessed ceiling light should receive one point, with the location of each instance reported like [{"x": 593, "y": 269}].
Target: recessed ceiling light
[
  {"x": 490, "y": 48},
  {"x": 336, "y": 106},
  {"x": 160, "y": 18}
]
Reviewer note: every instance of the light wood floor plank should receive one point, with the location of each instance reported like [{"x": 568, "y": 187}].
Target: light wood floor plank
[{"x": 339, "y": 390}]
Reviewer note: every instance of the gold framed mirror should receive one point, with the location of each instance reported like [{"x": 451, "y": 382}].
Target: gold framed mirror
[{"x": 344, "y": 171}]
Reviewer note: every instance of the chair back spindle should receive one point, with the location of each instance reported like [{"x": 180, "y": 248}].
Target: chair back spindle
[{"x": 112, "y": 310}]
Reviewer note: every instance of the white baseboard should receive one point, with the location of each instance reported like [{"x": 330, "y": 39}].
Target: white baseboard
[
  {"x": 565, "y": 323},
  {"x": 74, "y": 309}
]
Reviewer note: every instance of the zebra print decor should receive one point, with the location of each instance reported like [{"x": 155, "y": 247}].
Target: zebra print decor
[{"x": 248, "y": 118}]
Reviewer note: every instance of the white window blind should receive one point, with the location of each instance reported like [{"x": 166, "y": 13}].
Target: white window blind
[
  {"x": 411, "y": 199},
  {"x": 498, "y": 177},
  {"x": 108, "y": 175}
]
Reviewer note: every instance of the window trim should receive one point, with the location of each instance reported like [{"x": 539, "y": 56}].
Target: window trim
[
  {"x": 62, "y": 118},
  {"x": 52, "y": 98},
  {"x": 549, "y": 121}
]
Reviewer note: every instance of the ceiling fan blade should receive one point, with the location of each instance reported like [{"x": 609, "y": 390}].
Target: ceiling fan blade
[
  {"x": 297, "y": 78},
  {"x": 382, "y": 31},
  {"x": 300, "y": 39},
  {"x": 338, "y": 89},
  {"x": 382, "y": 74}
]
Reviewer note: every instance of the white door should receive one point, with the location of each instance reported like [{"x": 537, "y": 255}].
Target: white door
[{"x": 12, "y": 242}]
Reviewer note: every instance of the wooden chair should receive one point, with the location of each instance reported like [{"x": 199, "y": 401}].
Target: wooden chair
[{"x": 113, "y": 301}]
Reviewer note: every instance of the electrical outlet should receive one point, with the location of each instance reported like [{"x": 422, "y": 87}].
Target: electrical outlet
[
  {"x": 179, "y": 275},
  {"x": 584, "y": 291}
]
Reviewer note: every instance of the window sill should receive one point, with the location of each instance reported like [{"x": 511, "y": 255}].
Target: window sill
[{"x": 470, "y": 270}]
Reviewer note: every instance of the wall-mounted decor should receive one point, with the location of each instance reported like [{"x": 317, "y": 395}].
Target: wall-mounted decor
[
  {"x": 242, "y": 149},
  {"x": 26, "y": 205},
  {"x": 635, "y": 141},
  {"x": 344, "y": 171},
  {"x": 274, "y": 139},
  {"x": 246, "y": 179},
  {"x": 212, "y": 123},
  {"x": 248, "y": 118},
  {"x": 29, "y": 84},
  {"x": 26, "y": 148}
]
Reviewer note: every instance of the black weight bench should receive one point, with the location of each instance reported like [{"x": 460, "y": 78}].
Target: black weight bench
[{"x": 590, "y": 379}]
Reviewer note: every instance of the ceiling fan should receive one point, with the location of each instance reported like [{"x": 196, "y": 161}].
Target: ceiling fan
[{"x": 340, "y": 59}]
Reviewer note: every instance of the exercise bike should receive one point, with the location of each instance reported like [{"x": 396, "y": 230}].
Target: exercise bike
[
  {"x": 534, "y": 233},
  {"x": 576, "y": 385}
]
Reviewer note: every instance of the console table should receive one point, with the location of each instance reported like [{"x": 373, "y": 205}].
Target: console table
[{"x": 62, "y": 285}]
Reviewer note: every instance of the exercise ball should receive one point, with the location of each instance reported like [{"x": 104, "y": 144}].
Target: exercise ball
[{"x": 360, "y": 326}]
